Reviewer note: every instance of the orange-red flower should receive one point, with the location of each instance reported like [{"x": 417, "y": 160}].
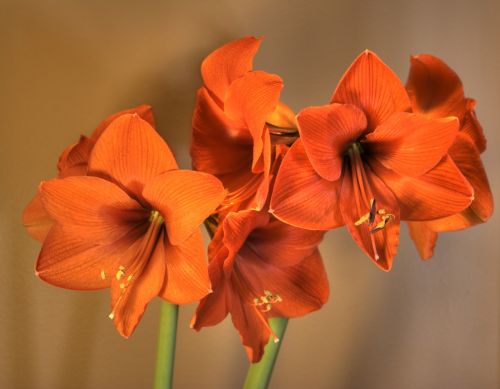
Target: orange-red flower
[
  {"x": 237, "y": 112},
  {"x": 130, "y": 224},
  {"x": 366, "y": 162},
  {"x": 72, "y": 162},
  {"x": 436, "y": 91},
  {"x": 261, "y": 268}
]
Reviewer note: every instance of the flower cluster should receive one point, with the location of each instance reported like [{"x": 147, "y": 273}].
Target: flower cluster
[{"x": 267, "y": 184}]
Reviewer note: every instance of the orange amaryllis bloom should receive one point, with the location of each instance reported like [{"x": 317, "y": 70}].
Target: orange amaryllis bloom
[
  {"x": 72, "y": 162},
  {"x": 366, "y": 162},
  {"x": 436, "y": 91},
  {"x": 261, "y": 268},
  {"x": 130, "y": 224},
  {"x": 237, "y": 113}
]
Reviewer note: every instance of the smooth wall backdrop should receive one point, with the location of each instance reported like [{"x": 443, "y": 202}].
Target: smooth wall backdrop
[{"x": 65, "y": 65}]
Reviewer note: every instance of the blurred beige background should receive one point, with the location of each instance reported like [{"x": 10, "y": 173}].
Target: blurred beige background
[{"x": 65, "y": 65}]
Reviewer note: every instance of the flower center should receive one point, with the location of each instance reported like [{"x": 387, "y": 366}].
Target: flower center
[
  {"x": 366, "y": 204},
  {"x": 126, "y": 275}
]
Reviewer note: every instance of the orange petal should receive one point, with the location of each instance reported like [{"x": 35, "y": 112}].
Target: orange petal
[
  {"x": 129, "y": 303},
  {"x": 424, "y": 238},
  {"x": 412, "y": 144},
  {"x": 303, "y": 286},
  {"x": 372, "y": 86},
  {"x": 218, "y": 146},
  {"x": 254, "y": 333},
  {"x": 465, "y": 155},
  {"x": 68, "y": 261},
  {"x": 74, "y": 159},
  {"x": 435, "y": 87},
  {"x": 471, "y": 127},
  {"x": 282, "y": 117},
  {"x": 36, "y": 219},
  {"x": 380, "y": 246},
  {"x": 263, "y": 188},
  {"x": 228, "y": 63},
  {"x": 280, "y": 244},
  {"x": 92, "y": 208},
  {"x": 236, "y": 227},
  {"x": 187, "y": 274},
  {"x": 130, "y": 152},
  {"x": 459, "y": 221},
  {"x": 441, "y": 192},
  {"x": 327, "y": 132},
  {"x": 301, "y": 197},
  {"x": 185, "y": 199},
  {"x": 213, "y": 308},
  {"x": 250, "y": 99},
  {"x": 144, "y": 111}
]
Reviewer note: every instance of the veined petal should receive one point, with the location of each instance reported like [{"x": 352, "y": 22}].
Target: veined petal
[
  {"x": 187, "y": 274},
  {"x": 424, "y": 238},
  {"x": 282, "y": 117},
  {"x": 412, "y": 144},
  {"x": 280, "y": 244},
  {"x": 74, "y": 159},
  {"x": 326, "y": 133},
  {"x": 441, "y": 192},
  {"x": 68, "y": 261},
  {"x": 213, "y": 308},
  {"x": 130, "y": 152},
  {"x": 218, "y": 146},
  {"x": 303, "y": 198},
  {"x": 435, "y": 88},
  {"x": 372, "y": 86},
  {"x": 465, "y": 155},
  {"x": 472, "y": 127},
  {"x": 303, "y": 286},
  {"x": 250, "y": 99},
  {"x": 236, "y": 227},
  {"x": 458, "y": 221},
  {"x": 381, "y": 245},
  {"x": 129, "y": 298},
  {"x": 228, "y": 63},
  {"x": 90, "y": 207},
  {"x": 36, "y": 219},
  {"x": 246, "y": 317},
  {"x": 185, "y": 199},
  {"x": 144, "y": 111}
]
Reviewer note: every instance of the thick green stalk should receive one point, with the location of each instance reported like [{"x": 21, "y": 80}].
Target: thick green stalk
[
  {"x": 259, "y": 374},
  {"x": 165, "y": 356}
]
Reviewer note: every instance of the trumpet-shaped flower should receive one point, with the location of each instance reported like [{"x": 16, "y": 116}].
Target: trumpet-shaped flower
[
  {"x": 367, "y": 162},
  {"x": 129, "y": 224},
  {"x": 261, "y": 268},
  {"x": 72, "y": 162},
  {"x": 436, "y": 91},
  {"x": 237, "y": 119}
]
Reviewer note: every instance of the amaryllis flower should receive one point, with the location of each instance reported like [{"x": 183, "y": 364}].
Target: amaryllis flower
[
  {"x": 366, "y": 162},
  {"x": 130, "y": 224},
  {"x": 72, "y": 162},
  {"x": 261, "y": 268},
  {"x": 436, "y": 91},
  {"x": 237, "y": 113}
]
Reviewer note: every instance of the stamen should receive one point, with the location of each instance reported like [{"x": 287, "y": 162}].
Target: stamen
[
  {"x": 103, "y": 275},
  {"x": 263, "y": 304}
]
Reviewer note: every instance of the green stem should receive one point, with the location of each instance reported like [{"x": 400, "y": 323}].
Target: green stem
[
  {"x": 259, "y": 374},
  {"x": 166, "y": 346}
]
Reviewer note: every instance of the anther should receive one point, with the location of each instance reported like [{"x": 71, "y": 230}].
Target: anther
[{"x": 103, "y": 275}]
